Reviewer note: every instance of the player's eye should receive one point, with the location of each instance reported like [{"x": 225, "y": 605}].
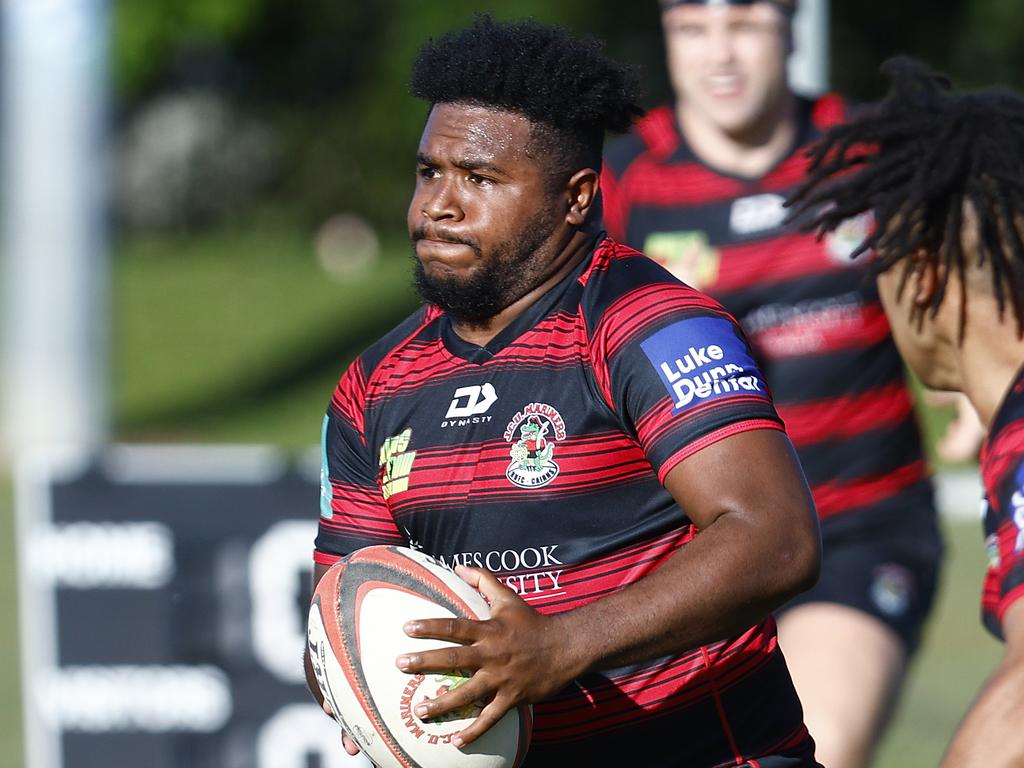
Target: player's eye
[
  {"x": 688, "y": 30},
  {"x": 747, "y": 28},
  {"x": 478, "y": 180},
  {"x": 427, "y": 172}
]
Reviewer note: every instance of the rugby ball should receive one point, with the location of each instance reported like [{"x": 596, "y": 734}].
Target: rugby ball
[{"x": 354, "y": 636}]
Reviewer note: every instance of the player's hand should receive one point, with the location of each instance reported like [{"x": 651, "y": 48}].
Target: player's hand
[
  {"x": 349, "y": 745},
  {"x": 964, "y": 434},
  {"x": 518, "y": 655}
]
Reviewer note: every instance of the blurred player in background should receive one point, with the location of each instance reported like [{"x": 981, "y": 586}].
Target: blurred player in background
[
  {"x": 945, "y": 181},
  {"x": 699, "y": 185},
  {"x": 590, "y": 433}
]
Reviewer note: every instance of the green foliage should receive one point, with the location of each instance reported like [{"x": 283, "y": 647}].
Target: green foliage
[
  {"x": 331, "y": 77},
  {"x": 146, "y": 32},
  {"x": 990, "y": 46}
]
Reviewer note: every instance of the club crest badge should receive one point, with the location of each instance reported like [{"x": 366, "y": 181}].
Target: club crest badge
[
  {"x": 892, "y": 589},
  {"x": 847, "y": 237},
  {"x": 534, "y": 432},
  {"x": 687, "y": 255}
]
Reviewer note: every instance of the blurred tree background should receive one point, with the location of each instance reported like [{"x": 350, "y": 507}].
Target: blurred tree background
[
  {"x": 263, "y": 163},
  {"x": 316, "y": 89}
]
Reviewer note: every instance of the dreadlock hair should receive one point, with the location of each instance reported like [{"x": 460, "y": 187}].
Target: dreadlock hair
[
  {"x": 570, "y": 90},
  {"x": 915, "y": 159}
]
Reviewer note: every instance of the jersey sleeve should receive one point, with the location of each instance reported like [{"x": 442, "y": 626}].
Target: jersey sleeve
[
  {"x": 679, "y": 371},
  {"x": 1004, "y": 528},
  {"x": 353, "y": 512}
]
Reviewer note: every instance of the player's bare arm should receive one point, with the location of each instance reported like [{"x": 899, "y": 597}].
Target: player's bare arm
[
  {"x": 990, "y": 734},
  {"x": 758, "y": 546}
]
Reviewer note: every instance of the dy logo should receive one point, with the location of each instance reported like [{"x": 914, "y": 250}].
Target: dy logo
[{"x": 471, "y": 401}]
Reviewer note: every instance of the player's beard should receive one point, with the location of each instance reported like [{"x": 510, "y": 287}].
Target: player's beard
[{"x": 501, "y": 277}]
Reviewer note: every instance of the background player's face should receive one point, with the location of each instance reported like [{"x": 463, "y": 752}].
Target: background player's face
[
  {"x": 728, "y": 63},
  {"x": 483, "y": 220}
]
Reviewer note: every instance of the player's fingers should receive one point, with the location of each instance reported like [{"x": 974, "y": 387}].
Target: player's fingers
[
  {"x": 463, "y": 631},
  {"x": 488, "y": 716},
  {"x": 469, "y": 574},
  {"x": 327, "y": 708},
  {"x": 349, "y": 745},
  {"x": 487, "y": 584},
  {"x": 441, "y": 660},
  {"x": 458, "y": 698}
]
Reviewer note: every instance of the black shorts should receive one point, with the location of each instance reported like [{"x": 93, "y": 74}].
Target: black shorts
[{"x": 883, "y": 561}]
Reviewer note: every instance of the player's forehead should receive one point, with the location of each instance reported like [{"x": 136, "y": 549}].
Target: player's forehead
[
  {"x": 786, "y": 6},
  {"x": 474, "y": 133},
  {"x": 703, "y": 13}
]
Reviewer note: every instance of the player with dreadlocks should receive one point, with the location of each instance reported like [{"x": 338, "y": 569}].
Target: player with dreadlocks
[
  {"x": 944, "y": 176},
  {"x": 698, "y": 185},
  {"x": 569, "y": 417}
]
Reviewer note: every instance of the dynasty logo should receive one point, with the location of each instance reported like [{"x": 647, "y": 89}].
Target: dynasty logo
[
  {"x": 538, "y": 426},
  {"x": 469, "y": 406}
]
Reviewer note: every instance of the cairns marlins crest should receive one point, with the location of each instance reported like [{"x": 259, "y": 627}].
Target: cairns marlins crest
[{"x": 534, "y": 433}]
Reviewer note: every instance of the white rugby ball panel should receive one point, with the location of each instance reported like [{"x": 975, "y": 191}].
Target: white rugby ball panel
[
  {"x": 375, "y": 591},
  {"x": 336, "y": 688}
]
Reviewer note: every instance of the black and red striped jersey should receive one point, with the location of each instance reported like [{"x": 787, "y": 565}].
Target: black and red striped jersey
[
  {"x": 812, "y": 314},
  {"x": 540, "y": 458},
  {"x": 1002, "y": 475}
]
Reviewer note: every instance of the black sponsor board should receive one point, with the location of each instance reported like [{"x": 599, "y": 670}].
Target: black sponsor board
[{"x": 164, "y": 593}]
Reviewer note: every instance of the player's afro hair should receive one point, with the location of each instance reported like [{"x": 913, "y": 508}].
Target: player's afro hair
[
  {"x": 559, "y": 82},
  {"x": 914, "y": 159}
]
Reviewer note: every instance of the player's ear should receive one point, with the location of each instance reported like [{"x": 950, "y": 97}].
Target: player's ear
[
  {"x": 925, "y": 280},
  {"x": 582, "y": 190}
]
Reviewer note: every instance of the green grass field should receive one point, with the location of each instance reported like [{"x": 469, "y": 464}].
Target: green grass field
[
  {"x": 956, "y": 656},
  {"x": 241, "y": 338}
]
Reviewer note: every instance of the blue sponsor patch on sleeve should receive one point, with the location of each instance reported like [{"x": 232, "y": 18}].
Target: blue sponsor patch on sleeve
[{"x": 702, "y": 359}]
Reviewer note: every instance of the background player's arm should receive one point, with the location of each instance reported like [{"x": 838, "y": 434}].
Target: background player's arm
[
  {"x": 991, "y": 733},
  {"x": 758, "y": 546}
]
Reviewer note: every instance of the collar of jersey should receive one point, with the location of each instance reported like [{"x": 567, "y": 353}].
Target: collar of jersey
[
  {"x": 531, "y": 317},
  {"x": 1010, "y": 408}
]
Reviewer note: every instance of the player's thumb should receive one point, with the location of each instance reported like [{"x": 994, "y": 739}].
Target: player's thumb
[{"x": 485, "y": 582}]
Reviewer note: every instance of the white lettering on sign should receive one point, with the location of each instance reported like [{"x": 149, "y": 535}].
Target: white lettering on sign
[
  {"x": 103, "y": 555},
  {"x": 155, "y": 699},
  {"x": 280, "y": 562}
]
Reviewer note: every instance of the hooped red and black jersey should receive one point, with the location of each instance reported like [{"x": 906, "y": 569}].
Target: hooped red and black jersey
[
  {"x": 540, "y": 457},
  {"x": 1002, "y": 475},
  {"x": 812, "y": 314}
]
